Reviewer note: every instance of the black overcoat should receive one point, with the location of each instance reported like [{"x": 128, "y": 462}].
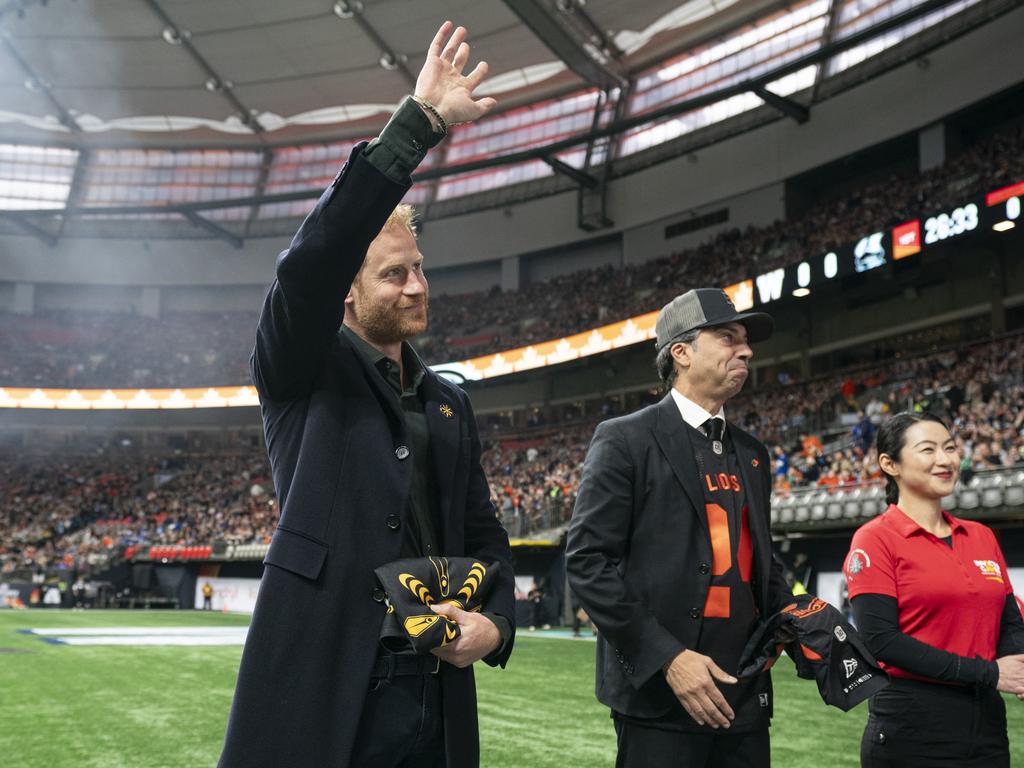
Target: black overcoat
[
  {"x": 638, "y": 551},
  {"x": 334, "y": 431}
]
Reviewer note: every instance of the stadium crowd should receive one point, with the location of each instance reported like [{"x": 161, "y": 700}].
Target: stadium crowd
[
  {"x": 103, "y": 349},
  {"x": 76, "y": 512}
]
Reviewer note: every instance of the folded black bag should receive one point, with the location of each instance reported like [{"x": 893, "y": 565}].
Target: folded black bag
[
  {"x": 412, "y": 586},
  {"x": 824, "y": 647}
]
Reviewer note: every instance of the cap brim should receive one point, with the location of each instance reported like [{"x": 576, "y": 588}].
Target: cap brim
[{"x": 760, "y": 326}]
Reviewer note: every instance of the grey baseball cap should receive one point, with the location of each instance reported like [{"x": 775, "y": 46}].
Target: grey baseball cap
[{"x": 704, "y": 308}]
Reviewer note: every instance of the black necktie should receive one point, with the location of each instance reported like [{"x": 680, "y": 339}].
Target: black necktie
[{"x": 714, "y": 428}]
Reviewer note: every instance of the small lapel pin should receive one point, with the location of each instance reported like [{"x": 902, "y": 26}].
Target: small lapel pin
[
  {"x": 446, "y": 411},
  {"x": 755, "y": 463}
]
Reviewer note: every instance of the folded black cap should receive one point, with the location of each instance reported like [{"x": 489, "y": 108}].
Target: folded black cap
[
  {"x": 824, "y": 647},
  {"x": 411, "y": 586}
]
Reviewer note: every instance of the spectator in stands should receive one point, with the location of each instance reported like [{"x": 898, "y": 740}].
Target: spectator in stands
[{"x": 863, "y": 431}]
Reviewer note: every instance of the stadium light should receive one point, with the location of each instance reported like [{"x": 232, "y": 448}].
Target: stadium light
[
  {"x": 173, "y": 36},
  {"x": 346, "y": 10}
]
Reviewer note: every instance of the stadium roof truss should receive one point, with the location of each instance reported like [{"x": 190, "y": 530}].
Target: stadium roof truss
[{"x": 82, "y": 146}]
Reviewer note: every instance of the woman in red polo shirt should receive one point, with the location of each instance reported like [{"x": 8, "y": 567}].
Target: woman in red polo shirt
[{"x": 932, "y": 599}]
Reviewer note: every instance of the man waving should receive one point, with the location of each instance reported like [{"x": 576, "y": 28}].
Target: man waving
[{"x": 375, "y": 459}]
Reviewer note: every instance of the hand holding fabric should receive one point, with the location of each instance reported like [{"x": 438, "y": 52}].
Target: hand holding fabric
[{"x": 478, "y": 636}]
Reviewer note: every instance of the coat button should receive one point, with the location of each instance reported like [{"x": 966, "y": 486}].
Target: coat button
[
  {"x": 694, "y": 613},
  {"x": 704, "y": 568},
  {"x": 402, "y": 453},
  {"x": 393, "y": 522},
  {"x": 378, "y": 595}
]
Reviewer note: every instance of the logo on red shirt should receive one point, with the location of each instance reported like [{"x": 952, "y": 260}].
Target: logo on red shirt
[
  {"x": 857, "y": 562},
  {"x": 990, "y": 570}
]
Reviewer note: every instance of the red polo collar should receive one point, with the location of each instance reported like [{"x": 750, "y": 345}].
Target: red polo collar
[{"x": 907, "y": 527}]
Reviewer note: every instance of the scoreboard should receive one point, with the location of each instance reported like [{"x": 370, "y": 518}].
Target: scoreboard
[{"x": 999, "y": 210}]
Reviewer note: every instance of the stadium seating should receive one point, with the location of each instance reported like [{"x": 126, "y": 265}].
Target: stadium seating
[
  {"x": 103, "y": 349},
  {"x": 80, "y": 513}
]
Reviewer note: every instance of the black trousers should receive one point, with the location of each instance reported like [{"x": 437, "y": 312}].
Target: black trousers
[
  {"x": 929, "y": 725},
  {"x": 402, "y": 724},
  {"x": 643, "y": 747}
]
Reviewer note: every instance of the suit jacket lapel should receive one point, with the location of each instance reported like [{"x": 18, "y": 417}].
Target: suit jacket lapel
[
  {"x": 385, "y": 394},
  {"x": 670, "y": 434},
  {"x": 753, "y": 481},
  {"x": 444, "y": 424},
  {"x": 745, "y": 456}
]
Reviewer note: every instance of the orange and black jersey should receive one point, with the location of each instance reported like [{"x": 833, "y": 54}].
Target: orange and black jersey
[{"x": 730, "y": 612}]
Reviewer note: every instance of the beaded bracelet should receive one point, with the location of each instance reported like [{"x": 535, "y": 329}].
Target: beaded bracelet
[{"x": 432, "y": 110}]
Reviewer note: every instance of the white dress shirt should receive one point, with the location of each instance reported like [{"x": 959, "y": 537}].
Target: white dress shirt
[{"x": 693, "y": 414}]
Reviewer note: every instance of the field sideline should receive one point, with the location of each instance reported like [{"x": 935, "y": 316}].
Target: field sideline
[{"x": 96, "y": 706}]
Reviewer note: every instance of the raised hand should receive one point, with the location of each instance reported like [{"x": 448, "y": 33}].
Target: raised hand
[{"x": 442, "y": 84}]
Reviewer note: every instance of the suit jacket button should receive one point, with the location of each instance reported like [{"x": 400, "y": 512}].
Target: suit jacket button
[
  {"x": 378, "y": 595},
  {"x": 694, "y": 613},
  {"x": 393, "y": 522},
  {"x": 704, "y": 568},
  {"x": 402, "y": 453}
]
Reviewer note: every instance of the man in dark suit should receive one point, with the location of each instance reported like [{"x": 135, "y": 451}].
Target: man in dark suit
[
  {"x": 670, "y": 552},
  {"x": 375, "y": 458}
]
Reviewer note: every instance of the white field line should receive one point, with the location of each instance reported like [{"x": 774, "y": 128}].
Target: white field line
[
  {"x": 139, "y": 640},
  {"x": 136, "y": 631}
]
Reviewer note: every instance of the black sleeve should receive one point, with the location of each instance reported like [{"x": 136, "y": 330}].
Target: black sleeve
[
  {"x": 306, "y": 303},
  {"x": 877, "y": 619},
  {"x": 1011, "y": 629}
]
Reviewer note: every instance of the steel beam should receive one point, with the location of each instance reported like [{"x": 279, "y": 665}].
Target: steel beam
[
  {"x": 788, "y": 107},
  {"x": 224, "y": 86},
  {"x": 615, "y": 128},
  {"x": 565, "y": 28},
  {"x": 36, "y": 231},
  {"x": 385, "y": 50},
  {"x": 39, "y": 84},
  {"x": 203, "y": 223},
  {"x": 582, "y": 178}
]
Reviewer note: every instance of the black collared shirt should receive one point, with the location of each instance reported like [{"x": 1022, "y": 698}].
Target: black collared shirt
[{"x": 423, "y": 511}]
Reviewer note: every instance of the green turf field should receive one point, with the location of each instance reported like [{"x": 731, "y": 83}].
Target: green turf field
[{"x": 148, "y": 707}]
